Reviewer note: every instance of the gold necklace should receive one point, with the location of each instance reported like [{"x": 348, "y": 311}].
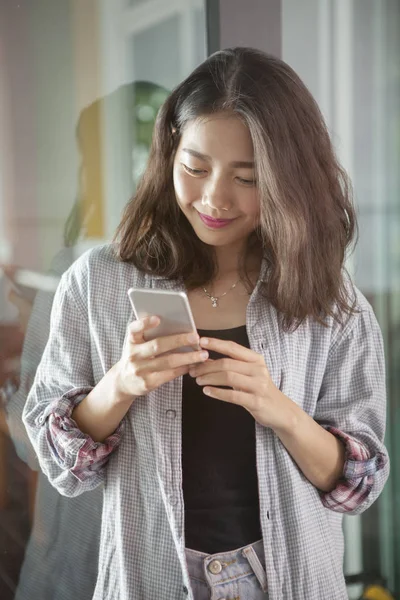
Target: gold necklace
[{"x": 214, "y": 299}]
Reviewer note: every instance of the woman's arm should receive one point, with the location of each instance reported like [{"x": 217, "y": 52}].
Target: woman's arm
[
  {"x": 72, "y": 462},
  {"x": 340, "y": 448},
  {"x": 318, "y": 454},
  {"x": 352, "y": 407},
  {"x": 73, "y": 422},
  {"x": 101, "y": 412}
]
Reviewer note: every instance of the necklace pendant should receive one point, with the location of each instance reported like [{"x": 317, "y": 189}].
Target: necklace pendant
[{"x": 214, "y": 302}]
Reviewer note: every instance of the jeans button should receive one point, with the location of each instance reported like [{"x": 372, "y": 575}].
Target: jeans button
[{"x": 215, "y": 567}]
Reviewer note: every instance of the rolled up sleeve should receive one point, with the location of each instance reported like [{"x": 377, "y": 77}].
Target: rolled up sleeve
[
  {"x": 358, "y": 474},
  {"x": 352, "y": 406},
  {"x": 70, "y": 447},
  {"x": 70, "y": 459}
]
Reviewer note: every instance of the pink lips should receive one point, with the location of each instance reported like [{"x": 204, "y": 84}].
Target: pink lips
[{"x": 215, "y": 223}]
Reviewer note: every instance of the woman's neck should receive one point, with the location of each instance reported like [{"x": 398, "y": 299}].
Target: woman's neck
[{"x": 229, "y": 266}]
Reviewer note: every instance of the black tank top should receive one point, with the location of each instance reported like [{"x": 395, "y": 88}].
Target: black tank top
[{"x": 220, "y": 485}]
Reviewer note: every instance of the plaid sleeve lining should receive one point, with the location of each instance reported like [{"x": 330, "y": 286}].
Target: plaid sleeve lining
[
  {"x": 358, "y": 474},
  {"x": 71, "y": 448}
]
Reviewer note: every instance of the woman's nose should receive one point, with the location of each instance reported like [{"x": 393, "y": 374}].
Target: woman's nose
[{"x": 217, "y": 197}]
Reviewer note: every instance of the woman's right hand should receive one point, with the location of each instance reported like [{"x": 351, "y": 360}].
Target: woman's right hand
[
  {"x": 142, "y": 368},
  {"x": 145, "y": 366}
]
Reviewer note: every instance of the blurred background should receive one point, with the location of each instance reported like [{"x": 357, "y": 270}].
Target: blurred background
[{"x": 81, "y": 82}]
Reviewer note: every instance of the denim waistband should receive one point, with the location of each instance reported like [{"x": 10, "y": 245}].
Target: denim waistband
[{"x": 228, "y": 566}]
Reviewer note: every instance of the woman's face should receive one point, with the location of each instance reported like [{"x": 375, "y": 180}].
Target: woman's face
[{"x": 214, "y": 180}]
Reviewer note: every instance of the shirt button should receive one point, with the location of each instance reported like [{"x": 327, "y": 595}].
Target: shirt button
[
  {"x": 173, "y": 500},
  {"x": 185, "y": 590},
  {"x": 171, "y": 414},
  {"x": 215, "y": 567}
]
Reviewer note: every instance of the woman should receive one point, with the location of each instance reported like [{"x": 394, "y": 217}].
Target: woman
[{"x": 235, "y": 489}]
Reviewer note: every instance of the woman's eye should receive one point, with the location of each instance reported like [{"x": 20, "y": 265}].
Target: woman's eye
[
  {"x": 193, "y": 171},
  {"x": 247, "y": 181}
]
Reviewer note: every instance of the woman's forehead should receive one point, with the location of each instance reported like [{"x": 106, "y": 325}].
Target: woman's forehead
[{"x": 219, "y": 133}]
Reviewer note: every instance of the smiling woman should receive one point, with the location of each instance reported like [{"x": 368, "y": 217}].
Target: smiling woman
[
  {"x": 226, "y": 470},
  {"x": 255, "y": 139}
]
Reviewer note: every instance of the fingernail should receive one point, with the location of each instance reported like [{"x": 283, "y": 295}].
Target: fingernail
[
  {"x": 154, "y": 320},
  {"x": 193, "y": 337},
  {"x": 204, "y": 341},
  {"x": 192, "y": 372},
  {"x": 204, "y": 355}
]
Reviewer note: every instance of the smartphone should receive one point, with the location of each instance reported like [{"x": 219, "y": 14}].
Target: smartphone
[
  {"x": 171, "y": 307},
  {"x": 27, "y": 283}
]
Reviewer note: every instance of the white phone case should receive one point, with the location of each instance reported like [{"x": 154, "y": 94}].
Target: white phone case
[{"x": 171, "y": 307}]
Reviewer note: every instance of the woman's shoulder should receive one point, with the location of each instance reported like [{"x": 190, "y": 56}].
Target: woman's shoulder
[
  {"x": 100, "y": 256},
  {"x": 100, "y": 267},
  {"x": 328, "y": 335},
  {"x": 361, "y": 321}
]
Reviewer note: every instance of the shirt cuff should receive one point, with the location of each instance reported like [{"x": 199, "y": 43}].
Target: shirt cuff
[
  {"x": 358, "y": 474},
  {"x": 71, "y": 448}
]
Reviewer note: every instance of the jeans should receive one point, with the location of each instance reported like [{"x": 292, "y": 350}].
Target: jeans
[{"x": 235, "y": 575}]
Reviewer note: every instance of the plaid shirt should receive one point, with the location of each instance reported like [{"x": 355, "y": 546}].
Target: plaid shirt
[
  {"x": 335, "y": 373},
  {"x": 353, "y": 488}
]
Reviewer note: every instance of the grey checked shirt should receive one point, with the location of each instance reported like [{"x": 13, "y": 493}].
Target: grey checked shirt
[{"x": 336, "y": 374}]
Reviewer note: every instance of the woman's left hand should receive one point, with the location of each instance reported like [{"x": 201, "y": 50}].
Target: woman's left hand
[
  {"x": 246, "y": 372},
  {"x": 319, "y": 454}
]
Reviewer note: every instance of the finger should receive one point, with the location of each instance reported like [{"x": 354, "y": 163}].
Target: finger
[
  {"x": 231, "y": 349},
  {"x": 249, "y": 385},
  {"x": 227, "y": 364},
  {"x": 231, "y": 396},
  {"x": 164, "y": 344},
  {"x": 171, "y": 362},
  {"x": 209, "y": 360},
  {"x": 156, "y": 379},
  {"x": 137, "y": 328}
]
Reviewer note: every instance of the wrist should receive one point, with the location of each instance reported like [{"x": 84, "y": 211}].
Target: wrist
[
  {"x": 119, "y": 394},
  {"x": 288, "y": 414}
]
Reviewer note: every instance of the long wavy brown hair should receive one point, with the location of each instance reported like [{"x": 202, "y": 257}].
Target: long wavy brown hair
[{"x": 307, "y": 220}]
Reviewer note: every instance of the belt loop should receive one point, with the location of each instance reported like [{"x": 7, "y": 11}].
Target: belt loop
[{"x": 257, "y": 567}]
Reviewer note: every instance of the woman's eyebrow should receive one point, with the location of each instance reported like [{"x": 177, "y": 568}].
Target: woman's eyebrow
[
  {"x": 238, "y": 164},
  {"x": 196, "y": 154}
]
